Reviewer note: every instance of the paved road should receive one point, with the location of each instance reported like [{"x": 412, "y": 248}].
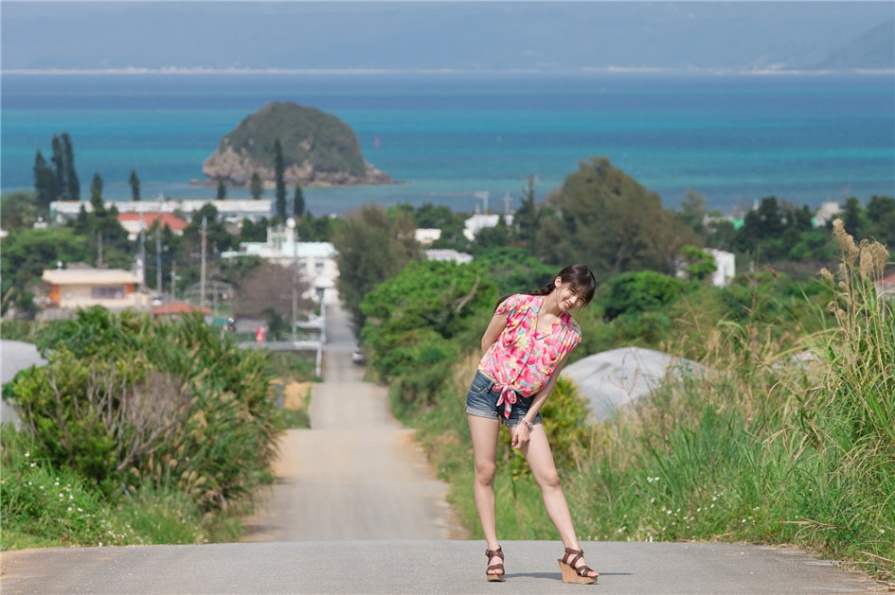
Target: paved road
[
  {"x": 357, "y": 473},
  {"x": 358, "y": 511}
]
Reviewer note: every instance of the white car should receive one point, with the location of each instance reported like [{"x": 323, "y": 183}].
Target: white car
[{"x": 357, "y": 356}]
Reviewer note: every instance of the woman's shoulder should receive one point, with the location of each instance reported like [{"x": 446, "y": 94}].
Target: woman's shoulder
[
  {"x": 514, "y": 302},
  {"x": 570, "y": 324}
]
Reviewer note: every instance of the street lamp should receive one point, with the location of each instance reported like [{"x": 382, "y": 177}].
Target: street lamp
[{"x": 291, "y": 223}]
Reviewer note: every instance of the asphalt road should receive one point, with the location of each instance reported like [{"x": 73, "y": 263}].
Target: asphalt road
[{"x": 357, "y": 510}]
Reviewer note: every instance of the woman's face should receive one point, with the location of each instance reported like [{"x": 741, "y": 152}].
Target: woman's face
[{"x": 566, "y": 296}]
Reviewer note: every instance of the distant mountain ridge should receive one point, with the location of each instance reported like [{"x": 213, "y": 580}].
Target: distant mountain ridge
[
  {"x": 448, "y": 36},
  {"x": 873, "y": 50}
]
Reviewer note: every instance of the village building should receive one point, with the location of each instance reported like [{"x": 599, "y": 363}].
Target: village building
[
  {"x": 135, "y": 223},
  {"x": 316, "y": 261},
  {"x": 230, "y": 210},
  {"x": 84, "y": 287},
  {"x": 448, "y": 255},
  {"x": 426, "y": 236}
]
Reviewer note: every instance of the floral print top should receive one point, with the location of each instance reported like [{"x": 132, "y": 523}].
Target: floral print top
[{"x": 522, "y": 360}]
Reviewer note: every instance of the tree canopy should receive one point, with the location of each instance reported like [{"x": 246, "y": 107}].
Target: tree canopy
[{"x": 606, "y": 219}]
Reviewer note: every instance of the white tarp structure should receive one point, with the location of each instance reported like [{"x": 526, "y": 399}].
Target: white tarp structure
[
  {"x": 15, "y": 356},
  {"x": 612, "y": 379}
]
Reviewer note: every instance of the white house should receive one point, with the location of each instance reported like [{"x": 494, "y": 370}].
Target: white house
[
  {"x": 230, "y": 210},
  {"x": 316, "y": 260},
  {"x": 426, "y": 236},
  {"x": 479, "y": 221},
  {"x": 448, "y": 254},
  {"x": 725, "y": 267}
]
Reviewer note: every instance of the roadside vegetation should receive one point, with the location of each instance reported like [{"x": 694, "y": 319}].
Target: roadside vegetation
[{"x": 139, "y": 432}]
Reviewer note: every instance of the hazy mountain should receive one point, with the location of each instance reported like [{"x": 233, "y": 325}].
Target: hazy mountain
[
  {"x": 874, "y": 49},
  {"x": 442, "y": 35}
]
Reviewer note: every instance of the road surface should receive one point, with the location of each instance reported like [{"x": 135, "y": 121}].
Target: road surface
[
  {"x": 357, "y": 473},
  {"x": 357, "y": 510}
]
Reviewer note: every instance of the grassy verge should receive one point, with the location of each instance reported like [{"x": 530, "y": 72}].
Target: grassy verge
[{"x": 47, "y": 507}]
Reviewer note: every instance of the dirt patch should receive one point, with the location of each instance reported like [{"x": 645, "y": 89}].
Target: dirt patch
[{"x": 296, "y": 395}]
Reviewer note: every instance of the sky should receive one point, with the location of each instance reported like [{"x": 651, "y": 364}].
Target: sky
[{"x": 443, "y": 36}]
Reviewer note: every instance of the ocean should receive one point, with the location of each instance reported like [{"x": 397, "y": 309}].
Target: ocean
[{"x": 449, "y": 138}]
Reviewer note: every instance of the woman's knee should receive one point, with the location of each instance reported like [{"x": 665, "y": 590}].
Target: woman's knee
[
  {"x": 550, "y": 481},
  {"x": 485, "y": 472}
]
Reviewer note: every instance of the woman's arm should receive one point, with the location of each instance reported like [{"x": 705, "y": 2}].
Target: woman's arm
[
  {"x": 495, "y": 327},
  {"x": 521, "y": 432}
]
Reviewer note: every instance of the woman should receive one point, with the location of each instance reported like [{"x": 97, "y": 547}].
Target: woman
[{"x": 525, "y": 347}]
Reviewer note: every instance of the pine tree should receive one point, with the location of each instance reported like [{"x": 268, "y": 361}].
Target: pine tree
[
  {"x": 72, "y": 183},
  {"x": 257, "y": 186},
  {"x": 298, "y": 203},
  {"x": 96, "y": 187},
  {"x": 222, "y": 190},
  {"x": 44, "y": 181},
  {"x": 134, "y": 181},
  {"x": 279, "y": 172},
  {"x": 59, "y": 169}
]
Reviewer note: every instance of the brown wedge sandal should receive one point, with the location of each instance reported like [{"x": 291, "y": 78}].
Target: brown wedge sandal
[
  {"x": 494, "y": 577},
  {"x": 573, "y": 574}
]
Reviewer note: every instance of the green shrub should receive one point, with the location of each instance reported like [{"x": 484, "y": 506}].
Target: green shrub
[
  {"x": 131, "y": 403},
  {"x": 638, "y": 292}
]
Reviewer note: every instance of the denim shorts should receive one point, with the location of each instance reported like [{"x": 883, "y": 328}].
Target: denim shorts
[{"x": 481, "y": 401}]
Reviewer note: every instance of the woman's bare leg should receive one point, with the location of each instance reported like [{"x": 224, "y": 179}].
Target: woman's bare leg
[
  {"x": 540, "y": 459},
  {"x": 484, "y": 432}
]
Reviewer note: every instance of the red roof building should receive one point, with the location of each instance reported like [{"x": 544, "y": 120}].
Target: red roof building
[{"x": 134, "y": 223}]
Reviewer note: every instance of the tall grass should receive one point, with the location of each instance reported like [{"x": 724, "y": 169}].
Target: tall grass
[{"x": 769, "y": 445}]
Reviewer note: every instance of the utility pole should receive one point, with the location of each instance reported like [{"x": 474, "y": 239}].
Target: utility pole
[
  {"x": 202, "y": 276},
  {"x": 293, "y": 226},
  {"x": 173, "y": 280},
  {"x": 99, "y": 248},
  {"x": 482, "y": 195},
  {"x": 142, "y": 251},
  {"x": 158, "y": 257}
]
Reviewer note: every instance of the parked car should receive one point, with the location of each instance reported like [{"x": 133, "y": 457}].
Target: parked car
[{"x": 357, "y": 356}]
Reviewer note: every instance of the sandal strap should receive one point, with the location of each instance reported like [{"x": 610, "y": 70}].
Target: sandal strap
[
  {"x": 577, "y": 555},
  {"x": 498, "y": 553}
]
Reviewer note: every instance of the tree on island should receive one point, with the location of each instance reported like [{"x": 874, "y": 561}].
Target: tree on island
[
  {"x": 279, "y": 173},
  {"x": 134, "y": 182},
  {"x": 222, "y": 190},
  {"x": 257, "y": 186}
]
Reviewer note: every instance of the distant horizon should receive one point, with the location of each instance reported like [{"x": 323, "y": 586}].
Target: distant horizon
[{"x": 136, "y": 71}]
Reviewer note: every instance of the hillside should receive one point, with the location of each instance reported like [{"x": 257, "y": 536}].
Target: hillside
[
  {"x": 873, "y": 50},
  {"x": 319, "y": 149}
]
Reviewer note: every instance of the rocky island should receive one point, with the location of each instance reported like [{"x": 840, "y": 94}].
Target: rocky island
[{"x": 319, "y": 149}]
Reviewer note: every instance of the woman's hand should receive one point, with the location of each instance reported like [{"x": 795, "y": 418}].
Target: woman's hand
[{"x": 521, "y": 436}]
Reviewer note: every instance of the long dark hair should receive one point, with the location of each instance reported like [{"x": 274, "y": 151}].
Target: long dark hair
[{"x": 578, "y": 275}]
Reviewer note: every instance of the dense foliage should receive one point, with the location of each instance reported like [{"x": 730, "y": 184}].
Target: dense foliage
[
  {"x": 605, "y": 218},
  {"x": 132, "y": 404}
]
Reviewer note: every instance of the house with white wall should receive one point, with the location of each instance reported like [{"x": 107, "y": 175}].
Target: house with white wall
[
  {"x": 317, "y": 264},
  {"x": 115, "y": 289}
]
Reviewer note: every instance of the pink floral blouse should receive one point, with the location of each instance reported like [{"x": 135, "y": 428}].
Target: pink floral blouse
[{"x": 522, "y": 360}]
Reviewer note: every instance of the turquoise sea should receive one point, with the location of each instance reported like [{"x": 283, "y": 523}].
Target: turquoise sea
[{"x": 735, "y": 139}]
